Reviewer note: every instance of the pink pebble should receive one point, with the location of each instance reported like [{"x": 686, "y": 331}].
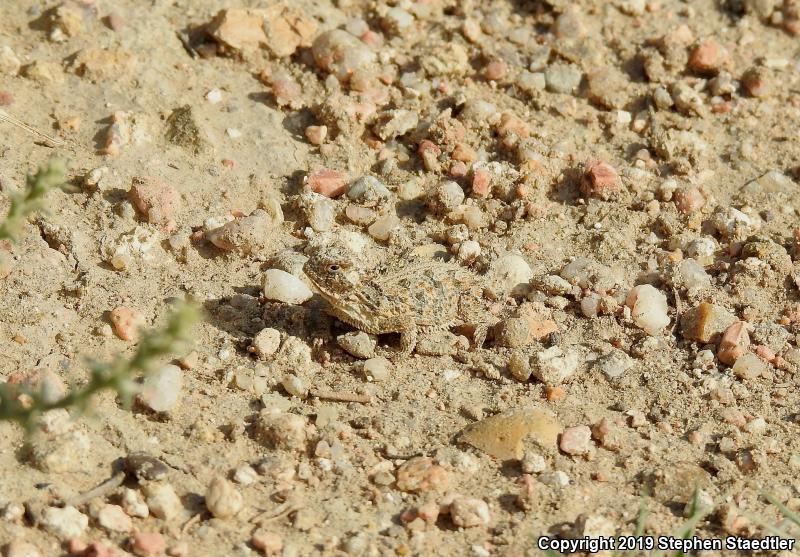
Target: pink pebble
[
  {"x": 330, "y": 183},
  {"x": 148, "y": 543},
  {"x": 481, "y": 180}
]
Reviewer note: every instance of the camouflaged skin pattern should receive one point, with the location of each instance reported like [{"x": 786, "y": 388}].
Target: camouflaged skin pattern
[{"x": 407, "y": 299}]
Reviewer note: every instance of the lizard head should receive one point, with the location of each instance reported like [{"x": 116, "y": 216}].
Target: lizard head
[{"x": 332, "y": 270}]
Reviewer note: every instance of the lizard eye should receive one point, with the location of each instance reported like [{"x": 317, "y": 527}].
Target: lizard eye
[{"x": 333, "y": 268}]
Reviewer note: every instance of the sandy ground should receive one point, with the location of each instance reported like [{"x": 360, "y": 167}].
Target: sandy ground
[{"x": 650, "y": 142}]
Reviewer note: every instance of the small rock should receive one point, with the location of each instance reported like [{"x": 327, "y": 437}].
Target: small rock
[
  {"x": 358, "y": 344},
  {"x": 246, "y": 235},
  {"x": 553, "y": 366},
  {"x": 510, "y": 274},
  {"x": 148, "y": 544},
  {"x": 268, "y": 543},
  {"x": 162, "y": 500},
  {"x": 340, "y": 53},
  {"x": 705, "y": 322},
  {"x": 556, "y": 478},
  {"x": 757, "y": 82},
  {"x": 614, "y": 364},
  {"x": 708, "y": 58},
  {"x": 238, "y": 28},
  {"x": 320, "y": 211},
  {"x": 749, "y": 367},
  {"x": 420, "y": 474},
  {"x": 133, "y": 503},
  {"x": 155, "y": 199},
  {"x": 377, "y": 369},
  {"x": 600, "y": 180},
  {"x": 294, "y": 386},
  {"x": 316, "y": 136},
  {"x": 266, "y": 343},
  {"x": 283, "y": 287},
  {"x": 519, "y": 366},
  {"x": 481, "y": 182},
  {"x": 383, "y": 226},
  {"x": 446, "y": 196},
  {"x": 607, "y": 88},
  {"x": 126, "y": 322},
  {"x": 245, "y": 475},
  {"x": 533, "y": 463},
  {"x": 223, "y": 500},
  {"x": 64, "y": 523},
  {"x": 734, "y": 343},
  {"x": 576, "y": 440},
  {"x": 648, "y": 308},
  {"x": 114, "y": 518},
  {"x": 280, "y": 430},
  {"x": 468, "y": 512},
  {"x": 330, "y": 183},
  {"x": 162, "y": 389},
  {"x": 61, "y": 453},
  {"x": 395, "y": 123},
  {"x": 513, "y": 332},
  {"x": 562, "y": 78}
]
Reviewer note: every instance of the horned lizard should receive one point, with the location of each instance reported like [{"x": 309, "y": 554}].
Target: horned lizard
[{"x": 417, "y": 297}]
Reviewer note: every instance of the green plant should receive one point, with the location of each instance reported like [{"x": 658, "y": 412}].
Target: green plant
[
  {"x": 31, "y": 199},
  {"x": 24, "y": 406}
]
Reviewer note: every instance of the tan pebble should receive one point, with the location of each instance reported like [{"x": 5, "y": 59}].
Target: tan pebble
[
  {"x": 495, "y": 70},
  {"x": 316, "y": 134},
  {"x": 464, "y": 153},
  {"x": 268, "y": 543},
  {"x": 189, "y": 361},
  {"x": 281, "y": 430},
  {"x": 112, "y": 517},
  {"x": 749, "y": 367},
  {"x": 20, "y": 548},
  {"x": 600, "y": 180},
  {"x": 223, "y": 500},
  {"x": 501, "y": 435},
  {"x": 705, "y": 322},
  {"x": 238, "y": 28},
  {"x": 420, "y": 474},
  {"x": 468, "y": 512},
  {"x": 555, "y": 393},
  {"x": 689, "y": 201},
  {"x": 576, "y": 440},
  {"x": 330, "y": 183},
  {"x": 125, "y": 322},
  {"x": 756, "y": 82},
  {"x": 696, "y": 438}
]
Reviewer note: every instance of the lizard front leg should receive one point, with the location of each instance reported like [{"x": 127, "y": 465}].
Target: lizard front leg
[{"x": 408, "y": 340}]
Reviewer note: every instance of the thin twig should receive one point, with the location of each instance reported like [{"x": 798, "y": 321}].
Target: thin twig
[
  {"x": 104, "y": 488},
  {"x": 6, "y": 117},
  {"x": 341, "y": 396},
  {"x": 280, "y": 511}
]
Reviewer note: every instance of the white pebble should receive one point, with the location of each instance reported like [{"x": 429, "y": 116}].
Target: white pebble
[
  {"x": 294, "y": 385},
  {"x": 66, "y": 522},
  {"x": 648, "y": 308},
  {"x": 468, "y": 512},
  {"x": 468, "y": 251},
  {"x": 510, "y": 274},
  {"x": 281, "y": 286},
  {"x": 162, "y": 500},
  {"x": 161, "y": 390},
  {"x": 214, "y": 96},
  {"x": 377, "y": 369}
]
